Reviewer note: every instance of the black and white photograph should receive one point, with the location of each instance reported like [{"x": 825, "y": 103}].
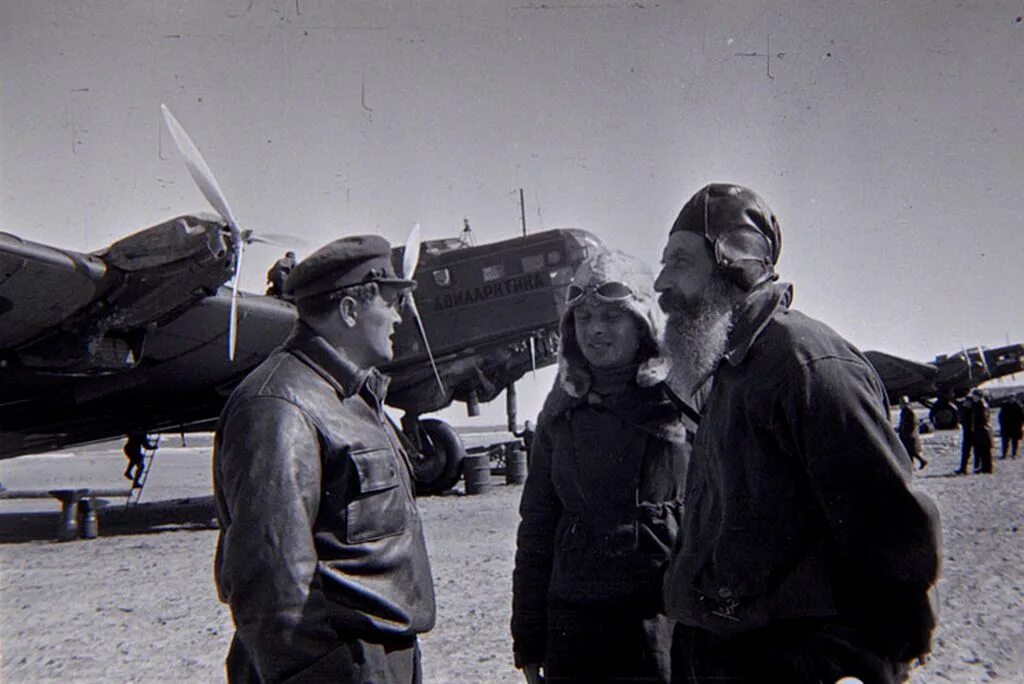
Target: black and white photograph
[{"x": 511, "y": 341}]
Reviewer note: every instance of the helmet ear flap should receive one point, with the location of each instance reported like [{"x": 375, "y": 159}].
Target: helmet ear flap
[
  {"x": 745, "y": 255},
  {"x": 749, "y": 274}
]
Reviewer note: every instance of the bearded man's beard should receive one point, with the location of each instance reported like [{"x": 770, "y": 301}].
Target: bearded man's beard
[{"x": 697, "y": 334}]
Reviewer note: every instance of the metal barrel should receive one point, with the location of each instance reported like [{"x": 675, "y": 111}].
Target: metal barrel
[
  {"x": 90, "y": 524},
  {"x": 67, "y": 529},
  {"x": 477, "y": 471},
  {"x": 515, "y": 466}
]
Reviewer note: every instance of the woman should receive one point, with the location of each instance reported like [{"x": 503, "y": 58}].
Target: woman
[{"x": 603, "y": 499}]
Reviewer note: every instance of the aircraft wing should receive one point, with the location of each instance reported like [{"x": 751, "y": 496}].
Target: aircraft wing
[
  {"x": 903, "y": 376},
  {"x": 180, "y": 382},
  {"x": 41, "y": 286},
  {"x": 1000, "y": 395},
  {"x": 68, "y": 311}
]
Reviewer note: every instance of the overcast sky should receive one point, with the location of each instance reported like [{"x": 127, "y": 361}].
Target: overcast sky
[{"x": 887, "y": 136}]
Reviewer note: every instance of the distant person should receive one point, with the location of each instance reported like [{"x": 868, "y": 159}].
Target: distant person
[
  {"x": 321, "y": 555},
  {"x": 965, "y": 415},
  {"x": 466, "y": 237},
  {"x": 526, "y": 434},
  {"x": 982, "y": 431},
  {"x": 1011, "y": 426},
  {"x": 908, "y": 432},
  {"x": 603, "y": 498},
  {"x": 805, "y": 554},
  {"x": 133, "y": 451},
  {"x": 278, "y": 273}
]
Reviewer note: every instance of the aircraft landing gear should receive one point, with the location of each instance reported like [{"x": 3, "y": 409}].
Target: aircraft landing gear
[
  {"x": 943, "y": 415},
  {"x": 438, "y": 465}
]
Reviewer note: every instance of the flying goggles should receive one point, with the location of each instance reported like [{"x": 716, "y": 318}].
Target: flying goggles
[{"x": 609, "y": 292}]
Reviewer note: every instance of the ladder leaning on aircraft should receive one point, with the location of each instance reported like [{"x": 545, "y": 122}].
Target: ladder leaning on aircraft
[{"x": 136, "y": 492}]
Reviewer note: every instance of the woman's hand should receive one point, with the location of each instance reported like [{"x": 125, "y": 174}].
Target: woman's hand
[{"x": 532, "y": 674}]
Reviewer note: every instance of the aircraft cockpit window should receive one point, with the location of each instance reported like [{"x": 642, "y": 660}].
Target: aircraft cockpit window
[
  {"x": 443, "y": 277},
  {"x": 533, "y": 262},
  {"x": 495, "y": 272},
  {"x": 554, "y": 257},
  {"x": 578, "y": 254}
]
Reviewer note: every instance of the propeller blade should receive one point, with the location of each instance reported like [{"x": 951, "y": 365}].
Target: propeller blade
[
  {"x": 279, "y": 239},
  {"x": 411, "y": 255},
  {"x": 207, "y": 184},
  {"x": 200, "y": 170},
  {"x": 263, "y": 240},
  {"x": 410, "y": 258},
  {"x": 984, "y": 361},
  {"x": 233, "y": 317},
  {"x": 967, "y": 360},
  {"x": 426, "y": 342}
]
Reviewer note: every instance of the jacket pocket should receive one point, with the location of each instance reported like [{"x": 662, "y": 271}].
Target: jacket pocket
[{"x": 379, "y": 509}]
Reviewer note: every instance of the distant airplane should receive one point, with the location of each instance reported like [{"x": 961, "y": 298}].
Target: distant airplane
[
  {"x": 938, "y": 383},
  {"x": 132, "y": 338}
]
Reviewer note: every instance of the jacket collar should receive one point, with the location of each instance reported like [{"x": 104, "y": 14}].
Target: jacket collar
[
  {"x": 646, "y": 408},
  {"x": 753, "y": 317},
  {"x": 333, "y": 365}
]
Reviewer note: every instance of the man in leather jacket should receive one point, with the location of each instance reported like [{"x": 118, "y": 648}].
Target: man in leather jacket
[
  {"x": 804, "y": 555},
  {"x": 321, "y": 555}
]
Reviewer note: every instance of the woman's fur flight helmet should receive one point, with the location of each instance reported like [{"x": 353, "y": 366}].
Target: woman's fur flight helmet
[{"x": 612, "y": 276}]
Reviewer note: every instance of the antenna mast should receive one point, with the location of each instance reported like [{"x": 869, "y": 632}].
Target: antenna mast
[{"x": 522, "y": 211}]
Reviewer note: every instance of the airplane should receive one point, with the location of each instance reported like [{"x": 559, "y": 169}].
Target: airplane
[
  {"x": 133, "y": 338},
  {"x": 936, "y": 384}
]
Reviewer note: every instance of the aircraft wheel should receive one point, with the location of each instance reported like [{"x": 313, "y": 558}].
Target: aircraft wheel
[
  {"x": 943, "y": 417},
  {"x": 440, "y": 463}
]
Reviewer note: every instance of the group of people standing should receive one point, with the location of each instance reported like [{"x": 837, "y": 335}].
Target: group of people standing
[
  {"x": 715, "y": 492},
  {"x": 974, "y": 415}
]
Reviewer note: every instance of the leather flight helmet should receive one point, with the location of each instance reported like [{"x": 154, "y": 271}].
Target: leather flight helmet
[{"x": 741, "y": 229}]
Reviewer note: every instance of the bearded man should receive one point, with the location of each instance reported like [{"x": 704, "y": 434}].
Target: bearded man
[{"x": 804, "y": 556}]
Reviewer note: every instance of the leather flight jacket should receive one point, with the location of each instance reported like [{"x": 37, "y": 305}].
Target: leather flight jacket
[{"x": 321, "y": 541}]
